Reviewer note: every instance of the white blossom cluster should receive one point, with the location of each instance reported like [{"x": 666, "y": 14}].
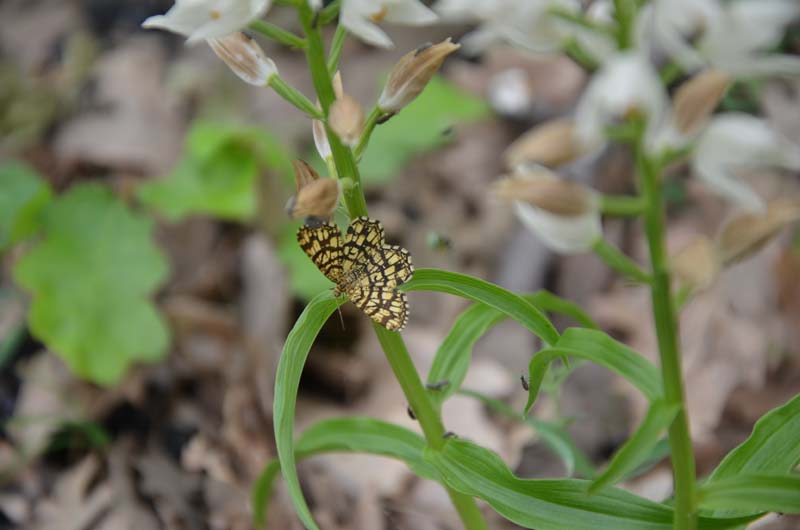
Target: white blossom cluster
[
  {"x": 732, "y": 37},
  {"x": 213, "y": 19}
]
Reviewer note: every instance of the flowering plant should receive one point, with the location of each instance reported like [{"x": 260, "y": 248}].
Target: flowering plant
[{"x": 636, "y": 50}]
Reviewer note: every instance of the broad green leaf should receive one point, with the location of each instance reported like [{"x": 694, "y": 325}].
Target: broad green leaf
[
  {"x": 552, "y": 434},
  {"x": 91, "y": 279},
  {"x": 23, "y": 195},
  {"x": 287, "y": 381},
  {"x": 639, "y": 447},
  {"x": 550, "y": 504},
  {"x": 305, "y": 278},
  {"x": 420, "y": 127},
  {"x": 772, "y": 448},
  {"x": 492, "y": 295},
  {"x": 754, "y": 493},
  {"x": 452, "y": 359},
  {"x": 217, "y": 174},
  {"x": 599, "y": 348},
  {"x": 347, "y": 435}
]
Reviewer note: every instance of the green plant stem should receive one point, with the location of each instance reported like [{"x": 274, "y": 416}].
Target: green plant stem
[
  {"x": 620, "y": 262},
  {"x": 369, "y": 126},
  {"x": 625, "y": 14},
  {"x": 621, "y": 205},
  {"x": 580, "y": 20},
  {"x": 295, "y": 97},
  {"x": 393, "y": 346},
  {"x": 664, "y": 314},
  {"x": 337, "y": 44},
  {"x": 342, "y": 155},
  {"x": 278, "y": 34}
]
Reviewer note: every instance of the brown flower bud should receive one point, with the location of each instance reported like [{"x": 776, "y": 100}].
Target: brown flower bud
[
  {"x": 412, "y": 73},
  {"x": 346, "y": 118},
  {"x": 245, "y": 58},
  {"x": 549, "y": 144},
  {"x": 697, "y": 98},
  {"x": 316, "y": 197},
  {"x": 746, "y": 234},
  {"x": 696, "y": 264},
  {"x": 553, "y": 195},
  {"x": 304, "y": 174}
]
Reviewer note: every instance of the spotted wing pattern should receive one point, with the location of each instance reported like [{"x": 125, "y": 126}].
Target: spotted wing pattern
[
  {"x": 323, "y": 244},
  {"x": 363, "y": 267},
  {"x": 367, "y": 257},
  {"x": 385, "y": 305}
]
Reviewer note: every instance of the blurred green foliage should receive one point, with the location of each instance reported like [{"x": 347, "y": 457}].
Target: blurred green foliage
[
  {"x": 421, "y": 127},
  {"x": 23, "y": 195},
  {"x": 90, "y": 279},
  {"x": 218, "y": 173}
]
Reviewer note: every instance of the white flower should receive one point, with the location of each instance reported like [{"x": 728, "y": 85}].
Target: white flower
[
  {"x": 626, "y": 84},
  {"x": 208, "y": 19},
  {"x": 528, "y": 24},
  {"x": 321, "y": 140},
  {"x": 245, "y": 58},
  {"x": 360, "y": 17},
  {"x": 733, "y": 36},
  {"x": 565, "y": 215},
  {"x": 735, "y": 141}
]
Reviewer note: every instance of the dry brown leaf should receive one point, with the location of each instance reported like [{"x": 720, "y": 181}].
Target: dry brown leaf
[{"x": 73, "y": 504}]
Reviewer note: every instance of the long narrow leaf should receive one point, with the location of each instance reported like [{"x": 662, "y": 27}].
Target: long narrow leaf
[
  {"x": 547, "y": 301},
  {"x": 638, "y": 448},
  {"x": 481, "y": 291},
  {"x": 346, "y": 435},
  {"x": 756, "y": 493},
  {"x": 551, "y": 504},
  {"x": 287, "y": 381},
  {"x": 772, "y": 448},
  {"x": 599, "y": 348},
  {"x": 552, "y": 434},
  {"x": 452, "y": 359}
]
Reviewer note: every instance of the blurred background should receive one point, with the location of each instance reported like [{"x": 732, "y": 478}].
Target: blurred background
[{"x": 86, "y": 96}]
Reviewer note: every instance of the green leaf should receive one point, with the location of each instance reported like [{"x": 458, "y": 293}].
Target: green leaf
[
  {"x": 552, "y": 434},
  {"x": 23, "y": 195},
  {"x": 754, "y": 493},
  {"x": 547, "y": 301},
  {"x": 599, "y": 348},
  {"x": 287, "y": 381},
  {"x": 420, "y": 127},
  {"x": 492, "y": 295},
  {"x": 91, "y": 278},
  {"x": 772, "y": 448},
  {"x": 639, "y": 447},
  {"x": 347, "y": 435},
  {"x": 452, "y": 359},
  {"x": 549, "y": 504},
  {"x": 217, "y": 174}
]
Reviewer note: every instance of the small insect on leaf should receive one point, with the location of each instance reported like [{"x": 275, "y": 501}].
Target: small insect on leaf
[
  {"x": 411, "y": 413},
  {"x": 437, "y": 386},
  {"x": 525, "y": 386},
  {"x": 362, "y": 266}
]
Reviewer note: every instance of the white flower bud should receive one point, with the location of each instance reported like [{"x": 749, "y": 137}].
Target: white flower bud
[
  {"x": 245, "y": 58},
  {"x": 565, "y": 215},
  {"x": 411, "y": 75}
]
